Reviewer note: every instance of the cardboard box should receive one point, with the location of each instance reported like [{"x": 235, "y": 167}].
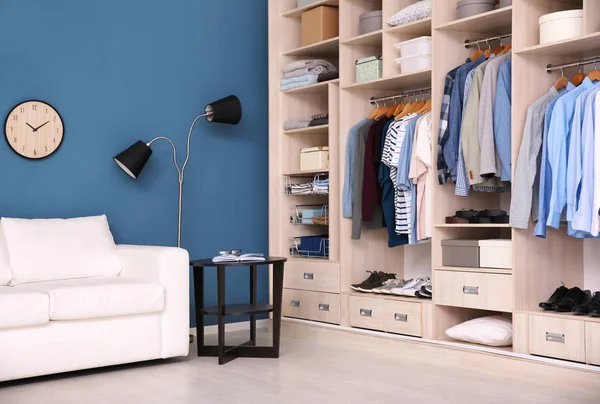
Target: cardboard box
[{"x": 319, "y": 24}]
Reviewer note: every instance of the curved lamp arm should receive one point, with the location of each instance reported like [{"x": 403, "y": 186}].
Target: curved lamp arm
[{"x": 174, "y": 153}]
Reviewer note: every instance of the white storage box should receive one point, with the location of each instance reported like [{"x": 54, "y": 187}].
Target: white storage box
[
  {"x": 314, "y": 158},
  {"x": 561, "y": 26},
  {"x": 416, "y": 46},
  {"x": 413, "y": 63},
  {"x": 495, "y": 253}
]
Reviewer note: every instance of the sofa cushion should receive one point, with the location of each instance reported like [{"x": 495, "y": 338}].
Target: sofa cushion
[
  {"x": 23, "y": 307},
  {"x": 77, "y": 299},
  {"x": 5, "y": 271},
  {"x": 53, "y": 249}
]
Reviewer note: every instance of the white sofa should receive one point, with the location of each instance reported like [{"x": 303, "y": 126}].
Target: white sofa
[{"x": 70, "y": 299}]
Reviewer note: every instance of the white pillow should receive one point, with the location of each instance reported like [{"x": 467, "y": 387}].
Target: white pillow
[
  {"x": 414, "y": 12},
  {"x": 53, "y": 249},
  {"x": 492, "y": 331},
  {"x": 5, "y": 272}
]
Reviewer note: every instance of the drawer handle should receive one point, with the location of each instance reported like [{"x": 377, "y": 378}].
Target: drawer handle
[
  {"x": 309, "y": 275},
  {"x": 471, "y": 290},
  {"x": 295, "y": 303},
  {"x": 366, "y": 313},
  {"x": 401, "y": 317},
  {"x": 323, "y": 307},
  {"x": 553, "y": 337}
]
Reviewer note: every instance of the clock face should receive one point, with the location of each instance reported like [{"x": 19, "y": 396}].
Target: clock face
[{"x": 34, "y": 129}]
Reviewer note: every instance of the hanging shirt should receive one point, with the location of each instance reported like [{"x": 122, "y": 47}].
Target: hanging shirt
[
  {"x": 404, "y": 184},
  {"x": 595, "y": 226},
  {"x": 503, "y": 120},
  {"x": 403, "y": 199},
  {"x": 420, "y": 174},
  {"x": 489, "y": 160},
  {"x": 559, "y": 136},
  {"x": 370, "y": 189},
  {"x": 442, "y": 167},
  {"x": 524, "y": 192},
  {"x": 348, "y": 190},
  {"x": 544, "y": 169}
]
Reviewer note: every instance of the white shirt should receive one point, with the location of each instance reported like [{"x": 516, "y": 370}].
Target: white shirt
[{"x": 595, "y": 228}]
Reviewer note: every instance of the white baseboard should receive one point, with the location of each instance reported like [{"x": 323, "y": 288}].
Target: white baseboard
[{"x": 241, "y": 326}]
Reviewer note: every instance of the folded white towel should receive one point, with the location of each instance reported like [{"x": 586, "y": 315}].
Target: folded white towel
[{"x": 308, "y": 70}]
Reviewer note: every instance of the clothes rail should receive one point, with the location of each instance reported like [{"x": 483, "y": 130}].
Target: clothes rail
[
  {"x": 470, "y": 44},
  {"x": 587, "y": 61},
  {"x": 411, "y": 93}
]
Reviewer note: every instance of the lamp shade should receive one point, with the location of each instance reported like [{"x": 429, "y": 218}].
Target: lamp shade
[
  {"x": 226, "y": 110},
  {"x": 133, "y": 159}
]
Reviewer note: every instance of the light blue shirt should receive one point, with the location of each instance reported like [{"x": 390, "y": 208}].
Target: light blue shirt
[
  {"x": 559, "y": 136},
  {"x": 402, "y": 180},
  {"x": 502, "y": 120},
  {"x": 545, "y": 174},
  {"x": 348, "y": 191},
  {"x": 582, "y": 215}
]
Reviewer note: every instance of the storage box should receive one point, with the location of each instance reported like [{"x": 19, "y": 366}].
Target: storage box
[
  {"x": 413, "y": 63},
  {"x": 416, "y": 46},
  {"x": 504, "y": 3},
  {"x": 314, "y": 158},
  {"x": 370, "y": 21},
  {"x": 495, "y": 253},
  {"x": 370, "y": 68},
  {"x": 469, "y": 8},
  {"x": 319, "y": 24},
  {"x": 307, "y": 215},
  {"x": 561, "y": 25},
  {"x": 460, "y": 253}
]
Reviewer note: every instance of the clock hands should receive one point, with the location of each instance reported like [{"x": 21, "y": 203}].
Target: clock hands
[
  {"x": 31, "y": 126},
  {"x": 36, "y": 129}
]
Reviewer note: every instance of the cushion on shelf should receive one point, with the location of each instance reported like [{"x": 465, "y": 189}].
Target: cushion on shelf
[
  {"x": 491, "y": 331},
  {"x": 53, "y": 249},
  {"x": 78, "y": 299},
  {"x": 22, "y": 307}
]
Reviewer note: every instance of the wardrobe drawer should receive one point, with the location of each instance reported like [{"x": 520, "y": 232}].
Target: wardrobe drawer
[
  {"x": 557, "y": 338},
  {"x": 402, "y": 318},
  {"x": 325, "y": 307},
  {"x": 296, "y": 303},
  {"x": 592, "y": 343},
  {"x": 316, "y": 276},
  {"x": 366, "y": 312},
  {"x": 474, "y": 290}
]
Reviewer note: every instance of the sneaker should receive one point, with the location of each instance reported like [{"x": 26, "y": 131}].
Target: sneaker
[
  {"x": 368, "y": 287},
  {"x": 409, "y": 284},
  {"x": 388, "y": 285},
  {"x": 426, "y": 291},
  {"x": 374, "y": 274},
  {"x": 412, "y": 291}
]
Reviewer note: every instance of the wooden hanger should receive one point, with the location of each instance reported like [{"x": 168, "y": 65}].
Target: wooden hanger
[
  {"x": 578, "y": 79},
  {"x": 382, "y": 112},
  {"x": 507, "y": 48},
  {"x": 390, "y": 112},
  {"x": 375, "y": 111},
  {"x": 488, "y": 52},
  {"x": 477, "y": 54},
  {"x": 562, "y": 81},
  {"x": 426, "y": 108},
  {"x": 594, "y": 75},
  {"x": 499, "y": 49},
  {"x": 399, "y": 109}
]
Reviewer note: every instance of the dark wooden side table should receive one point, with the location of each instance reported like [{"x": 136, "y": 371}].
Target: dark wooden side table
[{"x": 248, "y": 349}]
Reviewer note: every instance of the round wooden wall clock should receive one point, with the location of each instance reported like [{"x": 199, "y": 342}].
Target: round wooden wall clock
[{"x": 34, "y": 129}]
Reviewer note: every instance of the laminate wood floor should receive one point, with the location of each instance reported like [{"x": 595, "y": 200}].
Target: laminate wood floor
[{"x": 319, "y": 365}]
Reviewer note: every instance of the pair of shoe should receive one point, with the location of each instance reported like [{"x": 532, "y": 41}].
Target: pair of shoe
[
  {"x": 419, "y": 287},
  {"x": 375, "y": 280},
  {"x": 478, "y": 216},
  {"x": 573, "y": 300}
]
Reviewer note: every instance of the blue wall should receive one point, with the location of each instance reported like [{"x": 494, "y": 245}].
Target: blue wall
[{"x": 119, "y": 71}]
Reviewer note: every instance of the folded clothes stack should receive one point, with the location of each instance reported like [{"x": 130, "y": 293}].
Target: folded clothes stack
[
  {"x": 319, "y": 119},
  {"x": 316, "y": 187},
  {"x": 295, "y": 124},
  {"x": 302, "y": 73},
  {"x": 478, "y": 216}
]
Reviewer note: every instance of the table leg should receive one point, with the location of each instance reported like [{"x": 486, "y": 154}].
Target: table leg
[
  {"x": 253, "y": 281},
  {"x": 199, "y": 297},
  {"x": 221, "y": 315},
  {"x": 277, "y": 301}
]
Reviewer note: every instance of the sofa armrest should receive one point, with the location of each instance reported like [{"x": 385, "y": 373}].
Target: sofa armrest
[{"x": 170, "y": 267}]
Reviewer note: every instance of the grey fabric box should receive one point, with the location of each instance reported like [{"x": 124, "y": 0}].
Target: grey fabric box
[{"x": 460, "y": 253}]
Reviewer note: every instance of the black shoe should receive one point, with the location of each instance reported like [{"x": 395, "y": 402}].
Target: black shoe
[
  {"x": 556, "y": 297},
  {"x": 595, "y": 305},
  {"x": 373, "y": 275},
  {"x": 574, "y": 298},
  {"x": 584, "y": 308}
]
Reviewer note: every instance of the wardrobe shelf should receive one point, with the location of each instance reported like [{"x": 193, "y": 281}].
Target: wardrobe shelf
[
  {"x": 305, "y": 173},
  {"x": 297, "y": 12},
  {"x": 406, "y": 81},
  {"x": 493, "y": 22},
  {"x": 382, "y": 296},
  {"x": 317, "y": 88},
  {"x": 587, "y": 45},
  {"x": 309, "y": 130},
  {"x": 370, "y": 38},
  {"x": 328, "y": 47},
  {"x": 554, "y": 314},
  {"x": 420, "y": 27},
  {"x": 480, "y": 270},
  {"x": 472, "y": 225}
]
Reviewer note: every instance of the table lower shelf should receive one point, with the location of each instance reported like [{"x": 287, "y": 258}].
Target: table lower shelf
[{"x": 239, "y": 309}]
